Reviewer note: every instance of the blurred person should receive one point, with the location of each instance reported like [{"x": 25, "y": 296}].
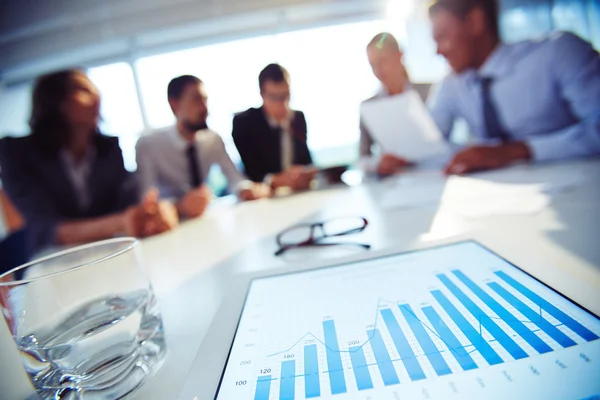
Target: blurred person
[
  {"x": 531, "y": 101},
  {"x": 177, "y": 159},
  {"x": 385, "y": 57},
  {"x": 67, "y": 179},
  {"x": 271, "y": 139}
]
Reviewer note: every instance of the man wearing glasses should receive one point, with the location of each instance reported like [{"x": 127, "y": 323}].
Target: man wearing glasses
[{"x": 271, "y": 139}]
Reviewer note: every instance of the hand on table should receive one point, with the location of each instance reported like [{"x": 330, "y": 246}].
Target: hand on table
[
  {"x": 390, "y": 164},
  {"x": 296, "y": 177},
  {"x": 150, "y": 217},
  {"x": 479, "y": 158},
  {"x": 14, "y": 222},
  {"x": 255, "y": 192},
  {"x": 195, "y": 202},
  {"x": 12, "y": 218}
]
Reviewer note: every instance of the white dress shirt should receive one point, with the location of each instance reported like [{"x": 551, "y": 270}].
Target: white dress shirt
[
  {"x": 162, "y": 162},
  {"x": 79, "y": 174},
  {"x": 287, "y": 144}
]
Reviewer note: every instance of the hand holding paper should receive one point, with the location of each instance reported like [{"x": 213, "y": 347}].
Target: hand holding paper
[{"x": 403, "y": 127}]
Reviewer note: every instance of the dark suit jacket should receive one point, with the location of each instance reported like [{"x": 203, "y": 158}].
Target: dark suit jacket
[
  {"x": 259, "y": 145},
  {"x": 37, "y": 183},
  {"x": 14, "y": 251}
]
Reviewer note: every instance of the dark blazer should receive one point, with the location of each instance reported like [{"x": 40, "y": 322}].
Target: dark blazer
[
  {"x": 259, "y": 145},
  {"x": 36, "y": 181},
  {"x": 14, "y": 251}
]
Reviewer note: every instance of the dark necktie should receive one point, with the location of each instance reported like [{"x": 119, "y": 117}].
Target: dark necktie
[
  {"x": 287, "y": 150},
  {"x": 493, "y": 129},
  {"x": 194, "y": 166}
]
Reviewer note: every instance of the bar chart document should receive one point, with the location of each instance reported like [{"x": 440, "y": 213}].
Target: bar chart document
[{"x": 455, "y": 321}]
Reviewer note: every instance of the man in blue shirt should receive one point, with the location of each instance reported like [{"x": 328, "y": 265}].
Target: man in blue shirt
[{"x": 529, "y": 101}]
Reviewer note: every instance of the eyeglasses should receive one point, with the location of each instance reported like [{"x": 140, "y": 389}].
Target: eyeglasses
[
  {"x": 276, "y": 97},
  {"x": 312, "y": 234}
]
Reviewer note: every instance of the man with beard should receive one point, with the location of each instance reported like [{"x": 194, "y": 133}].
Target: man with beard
[{"x": 177, "y": 160}]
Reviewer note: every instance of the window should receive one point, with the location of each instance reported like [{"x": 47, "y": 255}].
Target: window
[
  {"x": 15, "y": 107},
  {"x": 329, "y": 70},
  {"x": 328, "y": 66},
  {"x": 119, "y": 107}
]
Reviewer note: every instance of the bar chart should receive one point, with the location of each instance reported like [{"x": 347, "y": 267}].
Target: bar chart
[{"x": 459, "y": 322}]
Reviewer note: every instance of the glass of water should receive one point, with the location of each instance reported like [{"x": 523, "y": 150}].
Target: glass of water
[{"x": 85, "y": 321}]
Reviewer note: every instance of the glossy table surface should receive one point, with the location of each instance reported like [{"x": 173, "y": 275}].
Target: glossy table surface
[{"x": 190, "y": 267}]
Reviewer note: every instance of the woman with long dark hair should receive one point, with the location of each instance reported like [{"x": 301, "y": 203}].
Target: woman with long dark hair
[{"x": 67, "y": 178}]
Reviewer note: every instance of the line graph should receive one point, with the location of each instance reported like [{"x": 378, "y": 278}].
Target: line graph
[
  {"x": 432, "y": 320},
  {"x": 382, "y": 303},
  {"x": 435, "y": 327}
]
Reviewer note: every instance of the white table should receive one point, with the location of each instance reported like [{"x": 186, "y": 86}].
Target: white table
[{"x": 190, "y": 267}]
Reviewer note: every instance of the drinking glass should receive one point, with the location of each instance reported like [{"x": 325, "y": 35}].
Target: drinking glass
[{"x": 85, "y": 321}]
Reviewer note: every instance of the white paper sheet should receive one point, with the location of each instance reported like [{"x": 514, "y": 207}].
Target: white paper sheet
[
  {"x": 402, "y": 125},
  {"x": 408, "y": 196},
  {"x": 552, "y": 178},
  {"x": 475, "y": 197}
]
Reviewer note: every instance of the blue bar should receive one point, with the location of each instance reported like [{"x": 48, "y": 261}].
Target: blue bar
[
  {"x": 534, "y": 340},
  {"x": 334, "y": 359},
  {"x": 497, "y": 332},
  {"x": 263, "y": 387},
  {"x": 384, "y": 362},
  {"x": 533, "y": 316},
  {"x": 312, "y": 387},
  {"x": 471, "y": 333},
  {"x": 361, "y": 369},
  {"x": 459, "y": 352},
  {"x": 406, "y": 354},
  {"x": 431, "y": 351},
  {"x": 287, "y": 383},
  {"x": 555, "y": 312}
]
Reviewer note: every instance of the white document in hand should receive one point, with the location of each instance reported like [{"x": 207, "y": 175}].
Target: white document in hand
[{"x": 402, "y": 125}]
